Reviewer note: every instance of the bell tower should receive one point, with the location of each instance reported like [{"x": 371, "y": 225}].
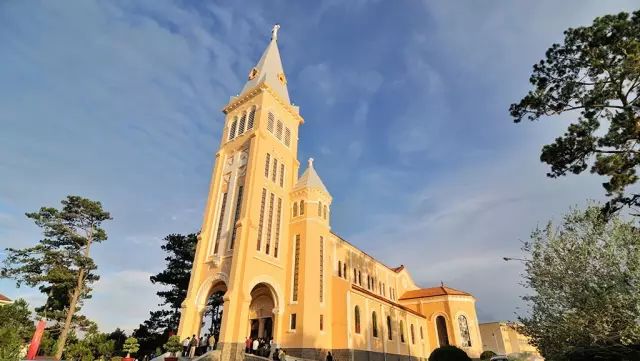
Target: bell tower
[{"x": 244, "y": 244}]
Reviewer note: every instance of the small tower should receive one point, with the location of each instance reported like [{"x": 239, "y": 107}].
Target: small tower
[{"x": 311, "y": 233}]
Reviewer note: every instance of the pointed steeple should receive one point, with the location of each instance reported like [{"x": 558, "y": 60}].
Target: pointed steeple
[
  {"x": 310, "y": 179},
  {"x": 269, "y": 69}
]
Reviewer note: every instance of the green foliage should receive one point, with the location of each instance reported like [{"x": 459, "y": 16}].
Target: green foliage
[
  {"x": 154, "y": 332},
  {"x": 60, "y": 265},
  {"x": 10, "y": 344},
  {"x": 174, "y": 279},
  {"x": 116, "y": 358},
  {"x": 16, "y": 329},
  {"x": 584, "y": 276},
  {"x": 131, "y": 346},
  {"x": 604, "y": 353},
  {"x": 78, "y": 351},
  {"x": 487, "y": 355},
  {"x": 173, "y": 345},
  {"x": 595, "y": 76},
  {"x": 448, "y": 353}
]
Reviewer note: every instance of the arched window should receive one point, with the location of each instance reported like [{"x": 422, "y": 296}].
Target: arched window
[
  {"x": 356, "y": 315},
  {"x": 441, "y": 327},
  {"x": 465, "y": 336},
  {"x": 413, "y": 335},
  {"x": 295, "y": 209},
  {"x": 389, "y": 331},
  {"x": 339, "y": 268},
  {"x": 232, "y": 129},
  {"x": 421, "y": 333},
  {"x": 344, "y": 270},
  {"x": 319, "y": 209},
  {"x": 325, "y": 212},
  {"x": 302, "y": 207},
  {"x": 252, "y": 117},
  {"x": 355, "y": 276},
  {"x": 243, "y": 120},
  {"x": 374, "y": 322},
  {"x": 401, "y": 331}
]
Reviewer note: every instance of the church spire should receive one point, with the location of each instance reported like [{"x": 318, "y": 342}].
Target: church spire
[{"x": 269, "y": 69}]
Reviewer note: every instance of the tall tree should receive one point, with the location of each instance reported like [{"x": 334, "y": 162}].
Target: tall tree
[
  {"x": 61, "y": 261},
  {"x": 180, "y": 250},
  {"x": 594, "y": 77},
  {"x": 584, "y": 277},
  {"x": 155, "y": 331}
]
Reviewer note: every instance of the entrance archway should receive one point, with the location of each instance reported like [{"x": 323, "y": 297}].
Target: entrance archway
[
  {"x": 211, "y": 322},
  {"x": 261, "y": 316}
]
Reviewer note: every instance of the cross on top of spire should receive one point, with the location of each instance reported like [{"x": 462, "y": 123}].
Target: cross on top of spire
[
  {"x": 274, "y": 32},
  {"x": 269, "y": 69}
]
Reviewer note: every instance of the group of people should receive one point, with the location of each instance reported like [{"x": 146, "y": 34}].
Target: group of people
[
  {"x": 261, "y": 347},
  {"x": 192, "y": 346}
]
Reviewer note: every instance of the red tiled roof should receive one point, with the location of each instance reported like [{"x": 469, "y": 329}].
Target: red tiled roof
[
  {"x": 358, "y": 288},
  {"x": 4, "y": 298},
  {"x": 433, "y": 292}
]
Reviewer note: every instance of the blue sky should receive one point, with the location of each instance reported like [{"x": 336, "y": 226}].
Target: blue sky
[{"x": 405, "y": 106}]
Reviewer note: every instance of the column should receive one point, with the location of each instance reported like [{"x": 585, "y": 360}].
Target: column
[{"x": 261, "y": 327}]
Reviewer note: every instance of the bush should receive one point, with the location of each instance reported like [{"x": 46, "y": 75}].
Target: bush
[
  {"x": 448, "y": 353},
  {"x": 173, "y": 345},
  {"x": 116, "y": 358},
  {"x": 605, "y": 353},
  {"x": 487, "y": 355},
  {"x": 131, "y": 346},
  {"x": 10, "y": 344}
]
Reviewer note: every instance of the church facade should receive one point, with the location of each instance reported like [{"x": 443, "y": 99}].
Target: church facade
[{"x": 266, "y": 243}]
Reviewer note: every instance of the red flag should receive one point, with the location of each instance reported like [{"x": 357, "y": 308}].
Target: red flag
[{"x": 35, "y": 340}]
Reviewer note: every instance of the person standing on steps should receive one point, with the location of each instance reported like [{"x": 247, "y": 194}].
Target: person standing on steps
[
  {"x": 192, "y": 346},
  {"x": 255, "y": 345},
  {"x": 211, "y": 342},
  {"x": 247, "y": 345},
  {"x": 185, "y": 346}
]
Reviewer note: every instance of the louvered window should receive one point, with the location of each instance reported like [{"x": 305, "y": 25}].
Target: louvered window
[
  {"x": 252, "y": 116},
  {"x": 220, "y": 220},
  {"x": 295, "y": 209},
  {"x": 261, "y": 219},
  {"x": 319, "y": 209},
  {"x": 302, "y": 207},
  {"x": 279, "y": 130},
  {"x": 266, "y": 165},
  {"x": 232, "y": 130},
  {"x": 287, "y": 136},
  {"x": 277, "y": 240},
  {"x": 236, "y": 217},
  {"x": 270, "y": 121},
  {"x": 296, "y": 267},
  {"x": 340, "y": 269},
  {"x": 243, "y": 120},
  {"x": 321, "y": 269},
  {"x": 269, "y": 220},
  {"x": 281, "y": 174},
  {"x": 325, "y": 212},
  {"x": 275, "y": 170}
]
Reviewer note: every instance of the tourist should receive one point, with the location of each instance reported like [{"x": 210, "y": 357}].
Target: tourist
[
  {"x": 275, "y": 355},
  {"x": 185, "y": 346},
  {"x": 282, "y": 355},
  {"x": 255, "y": 345},
  {"x": 212, "y": 342},
  {"x": 193, "y": 345},
  {"x": 329, "y": 356},
  {"x": 203, "y": 345},
  {"x": 247, "y": 345}
]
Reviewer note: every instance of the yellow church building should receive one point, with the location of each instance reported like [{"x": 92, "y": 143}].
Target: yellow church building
[{"x": 266, "y": 242}]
